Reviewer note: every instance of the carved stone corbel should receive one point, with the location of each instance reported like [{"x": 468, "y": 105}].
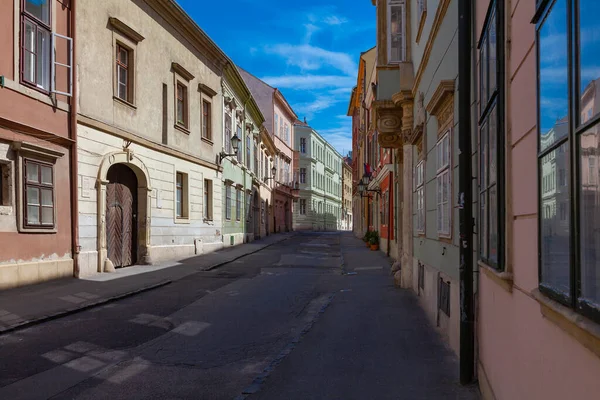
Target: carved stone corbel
[{"x": 389, "y": 124}]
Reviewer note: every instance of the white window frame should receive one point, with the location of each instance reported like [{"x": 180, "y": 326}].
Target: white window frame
[
  {"x": 402, "y": 5},
  {"x": 420, "y": 192},
  {"x": 444, "y": 200},
  {"x": 228, "y": 202},
  {"x": 208, "y": 200},
  {"x": 302, "y": 206}
]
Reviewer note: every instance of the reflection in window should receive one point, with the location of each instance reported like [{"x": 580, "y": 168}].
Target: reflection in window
[
  {"x": 553, "y": 68},
  {"x": 590, "y": 217},
  {"x": 554, "y": 233},
  {"x": 589, "y": 63}
]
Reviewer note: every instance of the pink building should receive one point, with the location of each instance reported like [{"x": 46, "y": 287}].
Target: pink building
[{"x": 538, "y": 311}]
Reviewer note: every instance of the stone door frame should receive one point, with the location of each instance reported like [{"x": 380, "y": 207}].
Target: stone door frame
[{"x": 144, "y": 202}]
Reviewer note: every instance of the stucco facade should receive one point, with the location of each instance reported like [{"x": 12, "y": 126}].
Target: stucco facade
[
  {"x": 36, "y": 143},
  {"x": 152, "y": 128},
  {"x": 320, "y": 170},
  {"x": 241, "y": 173},
  {"x": 347, "y": 217},
  {"x": 530, "y": 344},
  {"x": 279, "y": 119}
]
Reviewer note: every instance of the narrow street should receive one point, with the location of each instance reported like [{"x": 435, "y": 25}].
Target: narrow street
[{"x": 313, "y": 317}]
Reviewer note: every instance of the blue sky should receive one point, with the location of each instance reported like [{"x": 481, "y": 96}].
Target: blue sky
[{"x": 307, "y": 49}]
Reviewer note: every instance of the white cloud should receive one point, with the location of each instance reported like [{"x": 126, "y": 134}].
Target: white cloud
[
  {"x": 334, "y": 20},
  {"x": 313, "y": 58},
  {"x": 311, "y": 29},
  {"x": 309, "y": 82}
]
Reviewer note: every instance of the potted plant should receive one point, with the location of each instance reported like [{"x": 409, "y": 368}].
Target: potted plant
[
  {"x": 374, "y": 241},
  {"x": 367, "y": 237}
]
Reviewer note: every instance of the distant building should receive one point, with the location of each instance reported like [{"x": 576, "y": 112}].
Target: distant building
[{"x": 320, "y": 182}]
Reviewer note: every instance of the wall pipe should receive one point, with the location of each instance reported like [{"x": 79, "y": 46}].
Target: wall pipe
[
  {"x": 465, "y": 200},
  {"x": 73, "y": 153}
]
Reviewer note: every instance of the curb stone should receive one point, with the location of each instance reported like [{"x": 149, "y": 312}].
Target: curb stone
[{"x": 59, "y": 314}]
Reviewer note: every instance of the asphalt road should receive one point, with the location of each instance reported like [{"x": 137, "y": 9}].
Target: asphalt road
[{"x": 284, "y": 323}]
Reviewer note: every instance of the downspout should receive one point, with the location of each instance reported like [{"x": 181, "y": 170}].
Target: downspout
[
  {"x": 465, "y": 200},
  {"x": 73, "y": 153}
]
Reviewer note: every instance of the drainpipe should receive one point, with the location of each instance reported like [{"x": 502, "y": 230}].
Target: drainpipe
[
  {"x": 465, "y": 200},
  {"x": 73, "y": 153}
]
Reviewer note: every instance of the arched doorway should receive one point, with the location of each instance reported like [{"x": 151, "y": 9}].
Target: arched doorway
[
  {"x": 121, "y": 215},
  {"x": 287, "y": 215},
  {"x": 256, "y": 215},
  {"x": 267, "y": 218}
]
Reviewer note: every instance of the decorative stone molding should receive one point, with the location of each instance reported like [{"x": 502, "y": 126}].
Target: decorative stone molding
[
  {"x": 207, "y": 90},
  {"x": 125, "y": 29},
  {"x": 389, "y": 124},
  {"x": 441, "y": 104},
  {"x": 239, "y": 114},
  {"x": 249, "y": 126},
  {"x": 184, "y": 73}
]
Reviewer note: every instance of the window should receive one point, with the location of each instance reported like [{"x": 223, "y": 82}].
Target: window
[
  {"x": 182, "y": 104},
  {"x": 302, "y": 175},
  {"x": 206, "y": 120},
  {"x": 286, "y": 136},
  {"x": 227, "y": 130},
  {"x": 124, "y": 82},
  {"x": 248, "y": 150},
  {"x": 396, "y": 27},
  {"x": 266, "y": 169},
  {"x": 256, "y": 156},
  {"x": 491, "y": 139},
  {"x": 443, "y": 186},
  {"x": 420, "y": 190},
  {"x": 281, "y": 123},
  {"x": 36, "y": 43},
  {"x": 38, "y": 192},
  {"x": 568, "y": 260},
  {"x": 248, "y": 206},
  {"x": 240, "y": 153},
  {"x": 262, "y": 211},
  {"x": 228, "y": 202},
  {"x": 208, "y": 199},
  {"x": 179, "y": 199},
  {"x": 303, "y": 145},
  {"x": 238, "y": 204},
  {"x": 276, "y": 124},
  {"x": 302, "y": 206}
]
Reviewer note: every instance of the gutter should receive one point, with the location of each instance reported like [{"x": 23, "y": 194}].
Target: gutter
[
  {"x": 73, "y": 153},
  {"x": 465, "y": 200}
]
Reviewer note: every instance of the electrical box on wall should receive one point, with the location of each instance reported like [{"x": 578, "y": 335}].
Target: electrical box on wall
[{"x": 1, "y": 81}]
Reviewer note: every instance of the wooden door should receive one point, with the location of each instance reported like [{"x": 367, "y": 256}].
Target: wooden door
[{"x": 121, "y": 213}]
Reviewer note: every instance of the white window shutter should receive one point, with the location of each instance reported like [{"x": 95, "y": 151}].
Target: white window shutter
[{"x": 55, "y": 65}]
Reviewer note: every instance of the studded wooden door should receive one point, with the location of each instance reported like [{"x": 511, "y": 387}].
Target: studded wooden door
[{"x": 121, "y": 213}]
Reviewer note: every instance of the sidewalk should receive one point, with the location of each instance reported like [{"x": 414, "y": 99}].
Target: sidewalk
[
  {"x": 29, "y": 305},
  {"x": 372, "y": 342}
]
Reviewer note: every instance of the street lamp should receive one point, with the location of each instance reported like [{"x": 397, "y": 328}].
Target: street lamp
[
  {"x": 235, "y": 143},
  {"x": 273, "y": 173}
]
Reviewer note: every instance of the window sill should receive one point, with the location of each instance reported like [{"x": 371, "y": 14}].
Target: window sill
[
  {"x": 123, "y": 102},
  {"x": 503, "y": 279},
  {"x": 582, "y": 329},
  {"x": 35, "y": 94},
  {"x": 182, "y": 129},
  {"x": 207, "y": 140},
  {"x": 38, "y": 230},
  {"x": 182, "y": 220}
]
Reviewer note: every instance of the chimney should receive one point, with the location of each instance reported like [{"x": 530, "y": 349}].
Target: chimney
[{"x": 304, "y": 119}]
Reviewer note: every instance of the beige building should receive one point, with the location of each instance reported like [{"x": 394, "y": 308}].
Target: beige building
[
  {"x": 346, "y": 220},
  {"x": 149, "y": 125}
]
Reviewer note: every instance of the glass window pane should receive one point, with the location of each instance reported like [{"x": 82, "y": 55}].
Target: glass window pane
[
  {"x": 122, "y": 75},
  {"x": 179, "y": 111},
  {"x": 589, "y": 64},
  {"x": 493, "y": 146},
  {"x": 483, "y": 234},
  {"x": 47, "y": 216},
  {"x": 123, "y": 91},
  {"x": 590, "y": 216},
  {"x": 43, "y": 59},
  {"x": 483, "y": 163},
  {"x": 30, "y": 34},
  {"x": 492, "y": 55},
  {"x": 39, "y": 9},
  {"x": 555, "y": 252},
  {"x": 123, "y": 56},
  {"x": 47, "y": 197},
  {"x": 46, "y": 175},
  {"x": 493, "y": 224},
  {"x": 32, "y": 173},
  {"x": 33, "y": 196},
  {"x": 33, "y": 215},
  {"x": 553, "y": 70},
  {"x": 483, "y": 74}
]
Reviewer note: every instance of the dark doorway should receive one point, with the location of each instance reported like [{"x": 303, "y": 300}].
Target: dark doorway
[{"x": 121, "y": 215}]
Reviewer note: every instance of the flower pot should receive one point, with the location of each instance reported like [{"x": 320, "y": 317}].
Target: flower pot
[{"x": 374, "y": 247}]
